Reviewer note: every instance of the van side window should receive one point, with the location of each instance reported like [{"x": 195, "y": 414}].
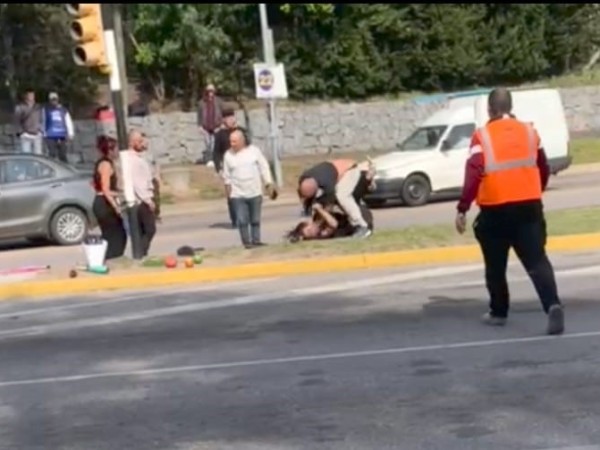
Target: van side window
[{"x": 460, "y": 136}]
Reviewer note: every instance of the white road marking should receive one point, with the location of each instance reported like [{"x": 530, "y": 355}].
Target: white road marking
[
  {"x": 585, "y": 447},
  {"x": 145, "y": 295},
  {"x": 566, "y": 273},
  {"x": 302, "y": 359},
  {"x": 291, "y": 295}
]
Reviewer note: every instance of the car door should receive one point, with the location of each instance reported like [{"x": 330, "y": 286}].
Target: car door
[
  {"x": 455, "y": 150},
  {"x": 25, "y": 192}
]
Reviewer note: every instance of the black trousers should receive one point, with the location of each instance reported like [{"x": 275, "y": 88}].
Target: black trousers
[
  {"x": 147, "y": 223},
  {"x": 111, "y": 226},
  {"x": 156, "y": 198},
  {"x": 528, "y": 239},
  {"x": 57, "y": 149}
]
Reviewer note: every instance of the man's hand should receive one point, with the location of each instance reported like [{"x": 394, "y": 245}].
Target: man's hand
[
  {"x": 460, "y": 222},
  {"x": 272, "y": 192},
  {"x": 151, "y": 205}
]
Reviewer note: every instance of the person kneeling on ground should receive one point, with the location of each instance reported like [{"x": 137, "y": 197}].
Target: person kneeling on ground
[
  {"x": 328, "y": 223},
  {"x": 334, "y": 182}
]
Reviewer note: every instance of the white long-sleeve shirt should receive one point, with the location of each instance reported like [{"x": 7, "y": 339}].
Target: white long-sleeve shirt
[
  {"x": 141, "y": 176},
  {"x": 246, "y": 171}
]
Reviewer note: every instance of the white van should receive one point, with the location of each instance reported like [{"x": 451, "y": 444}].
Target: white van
[{"x": 432, "y": 159}]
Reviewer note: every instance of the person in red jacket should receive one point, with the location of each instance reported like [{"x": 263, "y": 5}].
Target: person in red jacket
[{"x": 505, "y": 174}]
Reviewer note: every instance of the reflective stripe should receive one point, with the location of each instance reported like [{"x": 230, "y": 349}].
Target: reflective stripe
[{"x": 491, "y": 165}]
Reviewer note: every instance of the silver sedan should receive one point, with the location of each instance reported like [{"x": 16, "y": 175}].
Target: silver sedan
[{"x": 43, "y": 199}]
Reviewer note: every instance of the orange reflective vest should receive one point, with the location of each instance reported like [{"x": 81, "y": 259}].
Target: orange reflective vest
[
  {"x": 510, "y": 150},
  {"x": 342, "y": 166}
]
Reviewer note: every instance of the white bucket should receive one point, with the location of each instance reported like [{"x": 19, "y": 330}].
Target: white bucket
[{"x": 95, "y": 253}]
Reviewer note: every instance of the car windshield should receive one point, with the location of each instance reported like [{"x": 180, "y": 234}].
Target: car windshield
[{"x": 424, "y": 138}]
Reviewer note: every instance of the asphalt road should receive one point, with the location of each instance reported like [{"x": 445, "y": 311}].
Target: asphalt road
[
  {"x": 206, "y": 229},
  {"x": 370, "y": 360}
]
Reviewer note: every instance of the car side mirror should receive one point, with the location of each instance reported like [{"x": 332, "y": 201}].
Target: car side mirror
[{"x": 446, "y": 145}]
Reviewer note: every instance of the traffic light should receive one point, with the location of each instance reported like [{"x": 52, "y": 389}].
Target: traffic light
[{"x": 87, "y": 30}]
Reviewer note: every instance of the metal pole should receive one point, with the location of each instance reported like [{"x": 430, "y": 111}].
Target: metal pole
[
  {"x": 117, "y": 74},
  {"x": 118, "y": 27},
  {"x": 269, "y": 58}
]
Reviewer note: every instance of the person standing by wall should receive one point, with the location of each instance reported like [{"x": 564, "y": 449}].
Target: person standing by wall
[
  {"x": 222, "y": 139},
  {"x": 245, "y": 171},
  {"x": 28, "y": 124},
  {"x": 141, "y": 173},
  {"x": 58, "y": 128},
  {"x": 210, "y": 116},
  {"x": 506, "y": 173}
]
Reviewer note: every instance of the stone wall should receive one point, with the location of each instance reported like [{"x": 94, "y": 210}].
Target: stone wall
[{"x": 310, "y": 129}]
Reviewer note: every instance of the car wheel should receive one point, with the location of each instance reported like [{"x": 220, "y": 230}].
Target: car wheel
[
  {"x": 416, "y": 190},
  {"x": 69, "y": 226}
]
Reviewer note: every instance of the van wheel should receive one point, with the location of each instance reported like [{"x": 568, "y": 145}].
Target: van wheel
[
  {"x": 416, "y": 190},
  {"x": 68, "y": 226}
]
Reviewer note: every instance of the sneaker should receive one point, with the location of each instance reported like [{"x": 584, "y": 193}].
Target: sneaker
[
  {"x": 556, "y": 320},
  {"x": 258, "y": 244},
  {"x": 493, "y": 321},
  {"x": 362, "y": 232}
]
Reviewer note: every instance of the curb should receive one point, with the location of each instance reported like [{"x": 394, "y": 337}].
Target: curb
[{"x": 144, "y": 280}]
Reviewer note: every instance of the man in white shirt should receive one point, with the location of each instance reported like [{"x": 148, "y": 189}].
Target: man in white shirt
[
  {"x": 142, "y": 176},
  {"x": 245, "y": 170}
]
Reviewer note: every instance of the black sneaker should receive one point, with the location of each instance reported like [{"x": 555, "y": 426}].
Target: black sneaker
[
  {"x": 258, "y": 244},
  {"x": 361, "y": 232},
  {"x": 556, "y": 320}
]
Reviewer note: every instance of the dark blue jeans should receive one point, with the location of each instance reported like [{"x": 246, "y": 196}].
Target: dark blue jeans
[{"x": 247, "y": 216}]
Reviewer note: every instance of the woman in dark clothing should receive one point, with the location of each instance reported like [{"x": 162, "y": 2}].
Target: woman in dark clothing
[{"x": 106, "y": 206}]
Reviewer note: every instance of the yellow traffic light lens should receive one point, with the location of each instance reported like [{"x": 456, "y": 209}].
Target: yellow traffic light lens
[
  {"x": 77, "y": 31},
  {"x": 80, "y": 56}
]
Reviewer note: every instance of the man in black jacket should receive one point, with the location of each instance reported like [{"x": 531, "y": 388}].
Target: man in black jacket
[{"x": 221, "y": 146}]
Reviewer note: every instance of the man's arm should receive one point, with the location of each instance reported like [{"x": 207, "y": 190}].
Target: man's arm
[
  {"x": 69, "y": 124},
  {"x": 220, "y": 147},
  {"x": 263, "y": 166},
  {"x": 200, "y": 114},
  {"x": 474, "y": 169},
  {"x": 542, "y": 163},
  {"x": 227, "y": 173}
]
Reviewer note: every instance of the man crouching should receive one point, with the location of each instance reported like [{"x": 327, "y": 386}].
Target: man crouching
[{"x": 334, "y": 182}]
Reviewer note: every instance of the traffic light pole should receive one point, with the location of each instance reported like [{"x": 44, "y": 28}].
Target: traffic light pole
[{"x": 110, "y": 11}]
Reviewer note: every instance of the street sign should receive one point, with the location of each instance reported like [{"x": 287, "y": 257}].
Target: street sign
[{"x": 270, "y": 81}]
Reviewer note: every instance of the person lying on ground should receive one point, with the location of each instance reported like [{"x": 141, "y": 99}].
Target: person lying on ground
[
  {"x": 334, "y": 183},
  {"x": 327, "y": 224}
]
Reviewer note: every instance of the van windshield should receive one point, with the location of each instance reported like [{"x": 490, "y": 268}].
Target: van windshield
[{"x": 424, "y": 138}]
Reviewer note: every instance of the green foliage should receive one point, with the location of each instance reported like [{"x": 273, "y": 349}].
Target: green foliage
[{"x": 347, "y": 51}]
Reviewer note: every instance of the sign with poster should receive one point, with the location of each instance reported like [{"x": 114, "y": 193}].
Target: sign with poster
[{"x": 270, "y": 81}]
